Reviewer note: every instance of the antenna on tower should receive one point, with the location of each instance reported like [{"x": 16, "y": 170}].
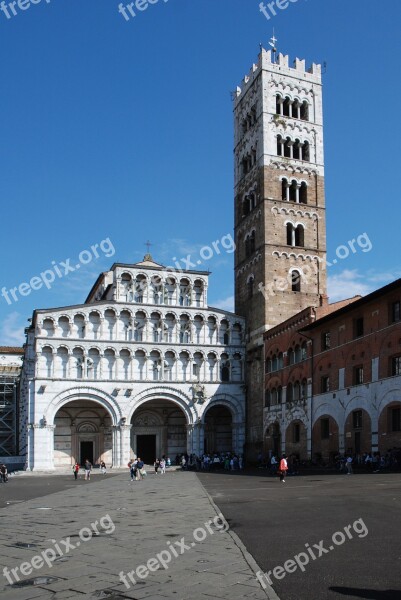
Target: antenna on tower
[{"x": 272, "y": 43}]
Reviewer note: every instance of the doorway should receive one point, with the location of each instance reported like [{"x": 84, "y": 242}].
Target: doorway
[
  {"x": 146, "y": 448},
  {"x": 86, "y": 452}
]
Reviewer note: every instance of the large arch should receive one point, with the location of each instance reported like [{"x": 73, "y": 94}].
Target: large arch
[
  {"x": 159, "y": 428},
  {"x": 83, "y": 393},
  {"x": 164, "y": 393}
]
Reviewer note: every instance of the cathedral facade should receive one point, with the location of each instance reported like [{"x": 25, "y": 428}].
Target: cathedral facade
[{"x": 143, "y": 368}]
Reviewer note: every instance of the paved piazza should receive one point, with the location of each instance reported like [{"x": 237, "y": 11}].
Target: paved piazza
[
  {"x": 149, "y": 517},
  {"x": 275, "y": 521},
  {"x": 91, "y": 532}
]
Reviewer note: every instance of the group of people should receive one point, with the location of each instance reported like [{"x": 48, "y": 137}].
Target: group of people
[
  {"x": 373, "y": 462},
  {"x": 88, "y": 469},
  {"x": 137, "y": 469},
  {"x": 160, "y": 464},
  {"x": 210, "y": 462}
]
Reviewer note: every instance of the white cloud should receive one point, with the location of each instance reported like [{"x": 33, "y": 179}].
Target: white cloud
[
  {"x": 12, "y": 330},
  {"x": 225, "y": 304},
  {"x": 351, "y": 283}
]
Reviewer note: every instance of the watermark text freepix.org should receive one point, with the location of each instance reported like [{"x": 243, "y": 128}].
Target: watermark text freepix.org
[
  {"x": 131, "y": 10},
  {"x": 59, "y": 549},
  {"x": 268, "y": 9},
  {"x": 313, "y": 552},
  {"x": 60, "y": 270},
  {"x": 9, "y": 8},
  {"x": 175, "y": 549}
]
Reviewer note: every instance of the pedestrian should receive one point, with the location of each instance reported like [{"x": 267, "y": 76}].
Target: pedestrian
[
  {"x": 163, "y": 466},
  {"x": 75, "y": 470},
  {"x": 273, "y": 465},
  {"x": 4, "y": 473},
  {"x": 139, "y": 469},
  {"x": 88, "y": 468},
  {"x": 132, "y": 465},
  {"x": 157, "y": 466},
  {"x": 103, "y": 468},
  {"x": 283, "y": 468},
  {"x": 349, "y": 465}
]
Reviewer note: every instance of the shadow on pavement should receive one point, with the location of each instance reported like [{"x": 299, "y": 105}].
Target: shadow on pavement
[{"x": 369, "y": 594}]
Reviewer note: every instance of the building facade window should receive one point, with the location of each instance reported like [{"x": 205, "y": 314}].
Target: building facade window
[
  {"x": 326, "y": 341},
  {"x": 325, "y": 384},
  {"x": 395, "y": 365},
  {"x": 358, "y": 375},
  {"x": 395, "y": 312},
  {"x": 358, "y": 327},
  {"x": 295, "y": 281}
]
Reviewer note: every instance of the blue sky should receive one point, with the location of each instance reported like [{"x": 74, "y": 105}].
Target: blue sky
[{"x": 122, "y": 130}]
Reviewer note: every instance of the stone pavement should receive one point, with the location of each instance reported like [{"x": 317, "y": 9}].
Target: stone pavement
[{"x": 147, "y": 518}]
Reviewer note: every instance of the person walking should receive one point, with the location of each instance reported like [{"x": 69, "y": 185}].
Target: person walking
[
  {"x": 132, "y": 465},
  {"x": 88, "y": 468},
  {"x": 75, "y": 470},
  {"x": 163, "y": 466},
  {"x": 139, "y": 469},
  {"x": 157, "y": 466},
  {"x": 283, "y": 468},
  {"x": 4, "y": 473},
  {"x": 103, "y": 468},
  {"x": 349, "y": 465}
]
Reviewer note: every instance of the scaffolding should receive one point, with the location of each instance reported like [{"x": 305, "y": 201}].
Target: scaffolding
[{"x": 8, "y": 415}]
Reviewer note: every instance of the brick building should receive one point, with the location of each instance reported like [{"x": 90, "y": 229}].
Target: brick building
[{"x": 333, "y": 378}]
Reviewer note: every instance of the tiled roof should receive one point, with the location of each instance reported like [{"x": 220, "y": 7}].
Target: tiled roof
[{"x": 11, "y": 350}]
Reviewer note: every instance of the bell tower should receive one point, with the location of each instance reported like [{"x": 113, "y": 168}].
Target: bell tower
[{"x": 280, "y": 230}]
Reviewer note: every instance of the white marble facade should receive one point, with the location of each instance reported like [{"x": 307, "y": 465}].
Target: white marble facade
[{"x": 144, "y": 365}]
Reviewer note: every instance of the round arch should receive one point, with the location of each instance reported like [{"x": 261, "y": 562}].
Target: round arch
[
  {"x": 84, "y": 393},
  {"x": 164, "y": 393}
]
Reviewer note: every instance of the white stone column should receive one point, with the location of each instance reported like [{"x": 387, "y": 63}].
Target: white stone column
[
  {"x": 42, "y": 455},
  {"x": 125, "y": 444}
]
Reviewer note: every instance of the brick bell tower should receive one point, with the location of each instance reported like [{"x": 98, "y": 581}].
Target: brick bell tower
[{"x": 280, "y": 226}]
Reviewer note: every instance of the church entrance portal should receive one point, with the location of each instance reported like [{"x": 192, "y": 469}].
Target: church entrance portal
[
  {"x": 146, "y": 448},
  {"x": 86, "y": 452}
]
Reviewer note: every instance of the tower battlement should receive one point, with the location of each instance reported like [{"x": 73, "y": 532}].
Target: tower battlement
[{"x": 280, "y": 65}]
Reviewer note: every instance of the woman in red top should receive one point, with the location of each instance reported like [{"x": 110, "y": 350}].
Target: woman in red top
[{"x": 283, "y": 468}]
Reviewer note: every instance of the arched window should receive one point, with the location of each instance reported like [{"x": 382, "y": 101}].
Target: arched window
[
  {"x": 267, "y": 398},
  {"x": 305, "y": 111},
  {"x": 268, "y": 365},
  {"x": 291, "y": 356},
  {"x": 274, "y": 362},
  {"x": 245, "y": 206},
  {"x": 297, "y": 354},
  {"x": 279, "y": 395},
  {"x": 284, "y": 188},
  {"x": 290, "y": 393},
  {"x": 247, "y": 246},
  {"x": 286, "y": 107},
  {"x": 306, "y": 152},
  {"x": 293, "y": 191},
  {"x": 304, "y": 351},
  {"x": 296, "y": 151},
  {"x": 303, "y": 193},
  {"x": 251, "y": 283},
  {"x": 290, "y": 238},
  {"x": 299, "y": 236},
  {"x": 295, "y": 281},
  {"x": 304, "y": 389},
  {"x": 274, "y": 397},
  {"x": 279, "y": 145},
  {"x": 252, "y": 242},
  {"x": 297, "y": 391},
  {"x": 225, "y": 372},
  {"x": 280, "y": 361}
]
